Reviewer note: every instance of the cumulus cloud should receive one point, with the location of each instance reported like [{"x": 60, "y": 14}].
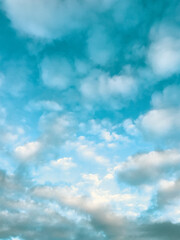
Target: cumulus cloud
[
  {"x": 148, "y": 168},
  {"x": 160, "y": 123},
  {"x": 28, "y": 151},
  {"x": 164, "y": 54},
  {"x": 164, "y": 57},
  {"x": 55, "y": 19},
  {"x": 99, "y": 86},
  {"x": 44, "y": 19}
]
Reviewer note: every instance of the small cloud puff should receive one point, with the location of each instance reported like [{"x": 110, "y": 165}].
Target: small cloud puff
[{"x": 63, "y": 163}]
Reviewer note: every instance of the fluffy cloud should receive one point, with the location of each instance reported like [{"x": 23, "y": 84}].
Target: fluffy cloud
[
  {"x": 28, "y": 151},
  {"x": 164, "y": 54},
  {"x": 160, "y": 123},
  {"x": 164, "y": 57},
  {"x": 102, "y": 87},
  {"x": 148, "y": 168},
  {"x": 50, "y": 20},
  {"x": 44, "y": 19},
  {"x": 63, "y": 163}
]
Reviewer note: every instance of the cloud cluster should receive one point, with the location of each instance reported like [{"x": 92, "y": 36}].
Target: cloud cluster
[
  {"x": 51, "y": 20},
  {"x": 62, "y": 213}
]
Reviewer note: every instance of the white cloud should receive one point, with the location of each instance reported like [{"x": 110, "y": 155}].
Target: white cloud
[
  {"x": 63, "y": 163},
  {"x": 160, "y": 123},
  {"x": 164, "y": 57},
  {"x": 164, "y": 53},
  {"x": 52, "y": 19},
  {"x": 113, "y": 137},
  {"x": 28, "y": 151},
  {"x": 101, "y": 86},
  {"x": 130, "y": 127},
  {"x": 92, "y": 178},
  {"x": 43, "y": 18}
]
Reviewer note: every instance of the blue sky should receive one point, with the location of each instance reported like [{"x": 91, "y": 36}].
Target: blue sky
[{"x": 89, "y": 120}]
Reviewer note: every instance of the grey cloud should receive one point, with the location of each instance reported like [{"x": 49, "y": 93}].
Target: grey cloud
[
  {"x": 168, "y": 194},
  {"x": 148, "y": 168},
  {"x": 36, "y": 212},
  {"x": 26, "y": 217},
  {"x": 163, "y": 230}
]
